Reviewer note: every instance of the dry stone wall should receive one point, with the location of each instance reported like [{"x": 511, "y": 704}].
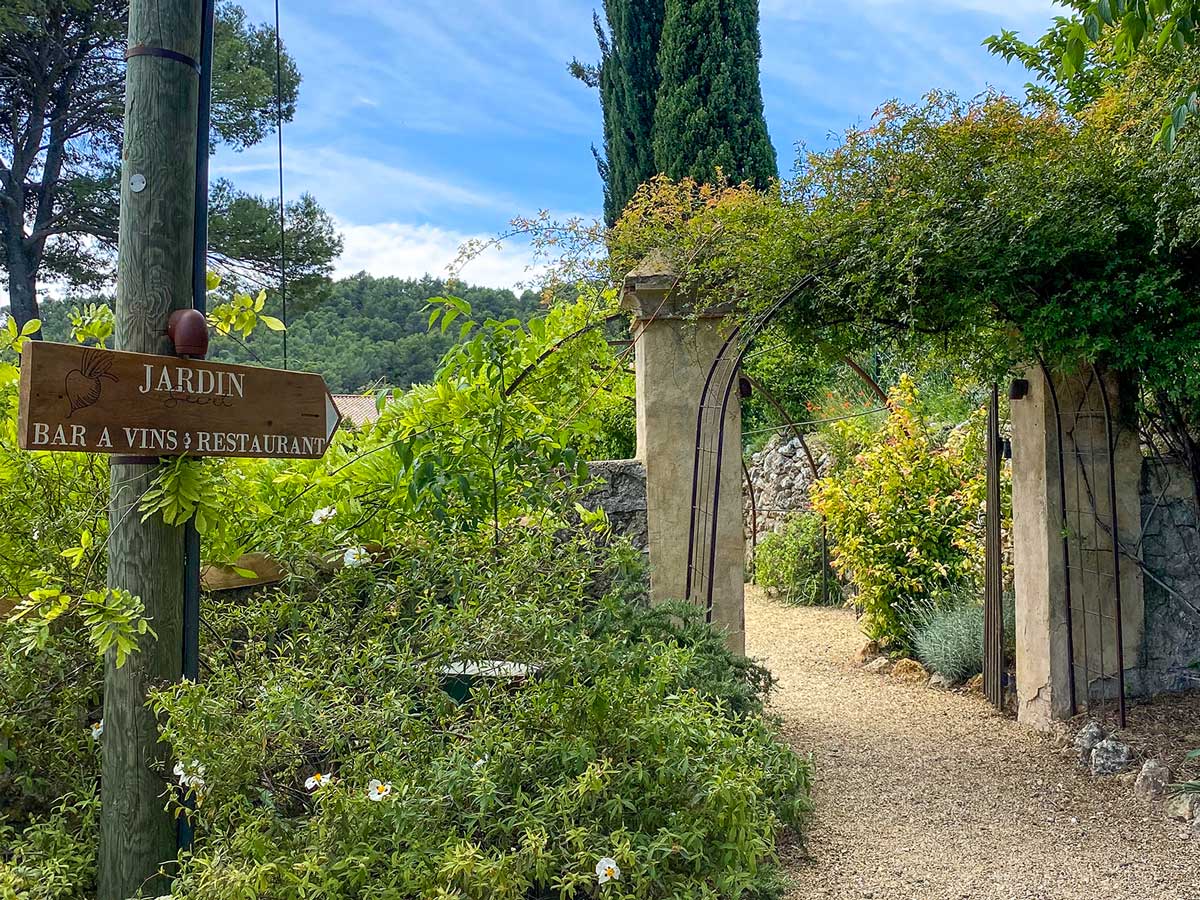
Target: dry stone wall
[
  {"x": 1171, "y": 561},
  {"x": 621, "y": 494},
  {"x": 782, "y": 477}
]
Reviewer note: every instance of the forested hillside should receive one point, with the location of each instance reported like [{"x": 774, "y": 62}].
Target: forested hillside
[{"x": 369, "y": 330}]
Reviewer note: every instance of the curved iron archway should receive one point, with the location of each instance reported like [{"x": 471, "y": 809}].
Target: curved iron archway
[{"x": 706, "y": 487}]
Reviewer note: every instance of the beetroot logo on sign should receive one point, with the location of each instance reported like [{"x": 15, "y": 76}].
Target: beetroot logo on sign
[{"x": 84, "y": 385}]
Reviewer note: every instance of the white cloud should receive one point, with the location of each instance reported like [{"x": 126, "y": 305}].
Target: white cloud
[
  {"x": 410, "y": 250},
  {"x": 352, "y": 184}
]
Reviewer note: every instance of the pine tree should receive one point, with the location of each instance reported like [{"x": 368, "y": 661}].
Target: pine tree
[
  {"x": 709, "y": 109},
  {"x": 627, "y": 76}
]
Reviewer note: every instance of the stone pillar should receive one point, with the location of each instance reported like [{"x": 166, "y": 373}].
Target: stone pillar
[
  {"x": 1043, "y": 645},
  {"x": 675, "y": 347}
]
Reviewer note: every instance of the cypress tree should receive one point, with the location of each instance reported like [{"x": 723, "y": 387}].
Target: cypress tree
[
  {"x": 628, "y": 80},
  {"x": 709, "y": 109}
]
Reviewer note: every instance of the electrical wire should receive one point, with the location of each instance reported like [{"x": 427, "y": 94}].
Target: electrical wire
[{"x": 279, "y": 136}]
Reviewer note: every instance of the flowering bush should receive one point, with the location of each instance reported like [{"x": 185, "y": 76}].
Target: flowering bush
[
  {"x": 616, "y": 747},
  {"x": 322, "y": 748},
  {"x": 905, "y": 520}
]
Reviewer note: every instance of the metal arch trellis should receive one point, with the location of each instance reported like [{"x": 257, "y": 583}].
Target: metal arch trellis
[
  {"x": 710, "y": 444},
  {"x": 1091, "y": 548},
  {"x": 710, "y": 447},
  {"x": 706, "y": 484}
]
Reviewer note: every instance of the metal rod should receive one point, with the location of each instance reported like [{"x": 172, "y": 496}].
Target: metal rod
[
  {"x": 1116, "y": 543},
  {"x": 1066, "y": 550},
  {"x": 282, "y": 211},
  {"x": 696, "y": 463},
  {"x": 753, "y": 514}
]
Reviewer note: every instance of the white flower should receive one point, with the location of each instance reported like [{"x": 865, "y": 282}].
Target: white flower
[
  {"x": 97, "y": 730},
  {"x": 191, "y": 776},
  {"x": 318, "y": 780},
  {"x": 481, "y": 762},
  {"x": 378, "y": 790},
  {"x": 607, "y": 870},
  {"x": 323, "y": 515},
  {"x": 356, "y": 556}
]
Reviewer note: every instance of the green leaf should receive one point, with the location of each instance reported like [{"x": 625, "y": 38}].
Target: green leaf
[
  {"x": 30, "y": 327},
  {"x": 1091, "y": 26},
  {"x": 273, "y": 323}
]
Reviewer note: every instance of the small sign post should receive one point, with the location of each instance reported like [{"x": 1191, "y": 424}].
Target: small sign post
[
  {"x": 92, "y": 400},
  {"x": 141, "y": 407}
]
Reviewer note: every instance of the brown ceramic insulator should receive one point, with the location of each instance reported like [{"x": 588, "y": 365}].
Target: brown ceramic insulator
[{"x": 188, "y": 331}]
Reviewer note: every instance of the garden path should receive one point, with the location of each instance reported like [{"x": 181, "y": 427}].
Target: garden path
[{"x": 928, "y": 795}]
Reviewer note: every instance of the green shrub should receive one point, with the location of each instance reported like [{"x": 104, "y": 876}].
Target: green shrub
[
  {"x": 625, "y": 745},
  {"x": 638, "y": 736},
  {"x": 949, "y": 639},
  {"x": 789, "y": 563},
  {"x": 904, "y": 521}
]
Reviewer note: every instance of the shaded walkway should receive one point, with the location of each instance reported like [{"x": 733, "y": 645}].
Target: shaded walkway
[{"x": 932, "y": 796}]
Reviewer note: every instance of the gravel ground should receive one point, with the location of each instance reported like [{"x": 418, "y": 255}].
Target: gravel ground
[{"x": 930, "y": 795}]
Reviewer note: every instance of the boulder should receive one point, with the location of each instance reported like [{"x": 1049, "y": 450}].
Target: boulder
[
  {"x": 1184, "y": 807},
  {"x": 1110, "y": 756},
  {"x": 1086, "y": 740},
  {"x": 1152, "y": 781},
  {"x": 880, "y": 666},
  {"x": 940, "y": 682},
  {"x": 867, "y": 652},
  {"x": 910, "y": 672}
]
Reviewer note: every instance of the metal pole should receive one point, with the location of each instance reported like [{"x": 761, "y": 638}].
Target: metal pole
[{"x": 191, "y": 536}]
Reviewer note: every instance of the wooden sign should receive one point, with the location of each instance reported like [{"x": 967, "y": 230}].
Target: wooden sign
[{"x": 93, "y": 400}]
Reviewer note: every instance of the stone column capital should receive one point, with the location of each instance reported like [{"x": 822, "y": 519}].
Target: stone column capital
[{"x": 653, "y": 291}]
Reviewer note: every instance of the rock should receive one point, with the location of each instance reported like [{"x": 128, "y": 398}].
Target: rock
[
  {"x": 1109, "y": 757},
  {"x": 1194, "y": 830},
  {"x": 940, "y": 682},
  {"x": 1184, "y": 807},
  {"x": 910, "y": 672},
  {"x": 880, "y": 666},
  {"x": 867, "y": 652},
  {"x": 1152, "y": 781},
  {"x": 1086, "y": 740},
  {"x": 975, "y": 684}
]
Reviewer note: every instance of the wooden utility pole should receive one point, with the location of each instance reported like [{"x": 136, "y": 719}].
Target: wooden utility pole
[{"x": 154, "y": 277}]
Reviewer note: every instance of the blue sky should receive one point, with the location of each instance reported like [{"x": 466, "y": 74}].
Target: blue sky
[{"x": 423, "y": 123}]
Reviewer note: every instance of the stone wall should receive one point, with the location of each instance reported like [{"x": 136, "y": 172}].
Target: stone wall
[
  {"x": 781, "y": 477},
  {"x": 622, "y": 496},
  {"x": 1171, "y": 558}
]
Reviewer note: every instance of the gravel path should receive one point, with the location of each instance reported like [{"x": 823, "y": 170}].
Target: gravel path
[{"x": 928, "y": 795}]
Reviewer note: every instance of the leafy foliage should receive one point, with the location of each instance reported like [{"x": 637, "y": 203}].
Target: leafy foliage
[
  {"x": 680, "y": 94},
  {"x": 790, "y": 564},
  {"x": 1109, "y": 35},
  {"x": 61, "y": 88},
  {"x": 609, "y": 751},
  {"x": 904, "y": 519},
  {"x": 627, "y": 76},
  {"x": 437, "y": 538},
  {"x": 371, "y": 331}
]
